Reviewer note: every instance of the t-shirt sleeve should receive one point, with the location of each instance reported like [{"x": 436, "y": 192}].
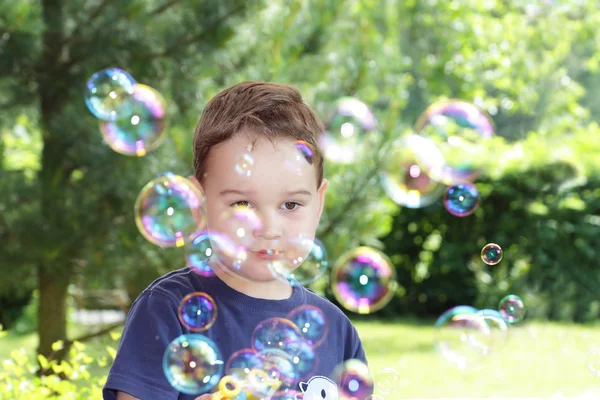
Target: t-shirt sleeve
[
  {"x": 151, "y": 325},
  {"x": 358, "y": 352}
]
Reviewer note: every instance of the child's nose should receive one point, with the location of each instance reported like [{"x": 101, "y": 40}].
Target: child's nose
[{"x": 270, "y": 230}]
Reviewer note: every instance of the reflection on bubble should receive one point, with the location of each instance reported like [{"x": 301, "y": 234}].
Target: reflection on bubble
[
  {"x": 458, "y": 128},
  {"x": 167, "y": 209},
  {"x": 198, "y": 252},
  {"x": 242, "y": 362},
  {"x": 241, "y": 223},
  {"x": 353, "y": 379},
  {"x": 304, "y": 263},
  {"x": 345, "y": 130},
  {"x": 192, "y": 364},
  {"x": 461, "y": 199},
  {"x": 462, "y": 336},
  {"x": 274, "y": 333},
  {"x": 404, "y": 177},
  {"x": 386, "y": 381},
  {"x": 512, "y": 308},
  {"x": 142, "y": 129},
  {"x": 103, "y": 88},
  {"x": 197, "y": 311},
  {"x": 491, "y": 254},
  {"x": 244, "y": 164},
  {"x": 312, "y": 323},
  {"x": 363, "y": 280}
]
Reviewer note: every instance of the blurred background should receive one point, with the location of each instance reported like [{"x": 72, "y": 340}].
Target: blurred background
[{"x": 72, "y": 258}]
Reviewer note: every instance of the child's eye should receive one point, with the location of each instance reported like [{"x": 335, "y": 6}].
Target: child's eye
[
  {"x": 239, "y": 204},
  {"x": 291, "y": 205}
]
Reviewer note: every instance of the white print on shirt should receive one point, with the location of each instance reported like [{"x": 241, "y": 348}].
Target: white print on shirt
[{"x": 319, "y": 388}]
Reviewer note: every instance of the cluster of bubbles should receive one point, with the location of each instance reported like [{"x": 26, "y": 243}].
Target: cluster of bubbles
[
  {"x": 132, "y": 116},
  {"x": 465, "y": 335}
]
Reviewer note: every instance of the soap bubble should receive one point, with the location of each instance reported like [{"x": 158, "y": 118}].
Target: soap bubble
[
  {"x": 491, "y": 254},
  {"x": 458, "y": 128},
  {"x": 103, "y": 88},
  {"x": 303, "y": 357},
  {"x": 197, "y": 311},
  {"x": 462, "y": 336},
  {"x": 274, "y": 333},
  {"x": 227, "y": 251},
  {"x": 363, "y": 280},
  {"x": 244, "y": 164},
  {"x": 142, "y": 129},
  {"x": 345, "y": 130},
  {"x": 260, "y": 383},
  {"x": 353, "y": 379},
  {"x": 168, "y": 210},
  {"x": 198, "y": 252},
  {"x": 305, "y": 156},
  {"x": 279, "y": 366},
  {"x": 312, "y": 323},
  {"x": 192, "y": 364},
  {"x": 304, "y": 263},
  {"x": 461, "y": 199},
  {"x": 386, "y": 381},
  {"x": 242, "y": 362},
  {"x": 404, "y": 177},
  {"x": 497, "y": 325},
  {"x": 512, "y": 308}
]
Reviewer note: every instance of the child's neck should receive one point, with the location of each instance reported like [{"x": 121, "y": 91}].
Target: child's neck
[{"x": 270, "y": 290}]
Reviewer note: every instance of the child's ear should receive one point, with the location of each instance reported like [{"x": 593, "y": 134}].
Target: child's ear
[
  {"x": 199, "y": 214},
  {"x": 321, "y": 194}
]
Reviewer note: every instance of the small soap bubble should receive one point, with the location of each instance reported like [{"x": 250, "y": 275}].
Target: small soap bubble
[
  {"x": 512, "y": 308},
  {"x": 462, "y": 336},
  {"x": 143, "y": 128},
  {"x": 461, "y": 199},
  {"x": 240, "y": 224},
  {"x": 244, "y": 165},
  {"x": 103, "y": 88},
  {"x": 345, "y": 130},
  {"x": 242, "y": 362},
  {"x": 274, "y": 333},
  {"x": 363, "y": 280},
  {"x": 168, "y": 210},
  {"x": 404, "y": 177},
  {"x": 458, "y": 128},
  {"x": 302, "y": 159},
  {"x": 198, "y": 253},
  {"x": 386, "y": 381},
  {"x": 353, "y": 379},
  {"x": 197, "y": 312},
  {"x": 304, "y": 263},
  {"x": 312, "y": 323},
  {"x": 192, "y": 364},
  {"x": 491, "y": 254}
]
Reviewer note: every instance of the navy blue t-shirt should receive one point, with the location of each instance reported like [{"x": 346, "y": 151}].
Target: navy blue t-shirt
[{"x": 152, "y": 323}]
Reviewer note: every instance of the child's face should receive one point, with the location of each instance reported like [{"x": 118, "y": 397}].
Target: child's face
[{"x": 281, "y": 189}]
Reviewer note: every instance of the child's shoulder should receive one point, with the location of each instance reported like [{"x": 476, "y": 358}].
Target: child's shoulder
[
  {"x": 174, "y": 285},
  {"x": 333, "y": 312}
]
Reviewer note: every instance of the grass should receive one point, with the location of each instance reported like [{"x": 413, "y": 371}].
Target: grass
[{"x": 537, "y": 360}]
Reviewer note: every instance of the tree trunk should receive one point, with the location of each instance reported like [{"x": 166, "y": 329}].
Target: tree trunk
[{"x": 52, "y": 312}]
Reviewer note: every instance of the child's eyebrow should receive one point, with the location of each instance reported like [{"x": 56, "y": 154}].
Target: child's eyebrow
[
  {"x": 233, "y": 191},
  {"x": 301, "y": 192}
]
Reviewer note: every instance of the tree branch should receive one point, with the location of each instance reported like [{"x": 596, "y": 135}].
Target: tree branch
[{"x": 164, "y": 7}]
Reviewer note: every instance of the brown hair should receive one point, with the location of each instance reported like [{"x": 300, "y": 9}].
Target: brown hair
[{"x": 271, "y": 110}]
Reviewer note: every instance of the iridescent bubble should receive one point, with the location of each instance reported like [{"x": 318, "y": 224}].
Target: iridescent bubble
[
  {"x": 198, "y": 252},
  {"x": 242, "y": 362},
  {"x": 227, "y": 251},
  {"x": 305, "y": 156},
  {"x": 386, "y": 381},
  {"x": 244, "y": 164},
  {"x": 512, "y": 308},
  {"x": 461, "y": 199},
  {"x": 260, "y": 384},
  {"x": 142, "y": 129},
  {"x": 312, "y": 323},
  {"x": 345, "y": 130},
  {"x": 404, "y": 176},
  {"x": 593, "y": 362},
  {"x": 197, "y": 311},
  {"x": 463, "y": 337},
  {"x": 304, "y": 263},
  {"x": 303, "y": 357},
  {"x": 279, "y": 366},
  {"x": 497, "y": 325},
  {"x": 103, "y": 88},
  {"x": 287, "y": 395},
  {"x": 363, "y": 280},
  {"x": 353, "y": 379},
  {"x": 240, "y": 224},
  {"x": 192, "y": 364},
  {"x": 274, "y": 333},
  {"x": 457, "y": 128},
  {"x": 491, "y": 254},
  {"x": 167, "y": 209}
]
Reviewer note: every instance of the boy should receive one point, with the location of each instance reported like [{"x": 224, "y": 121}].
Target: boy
[{"x": 266, "y": 121}]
